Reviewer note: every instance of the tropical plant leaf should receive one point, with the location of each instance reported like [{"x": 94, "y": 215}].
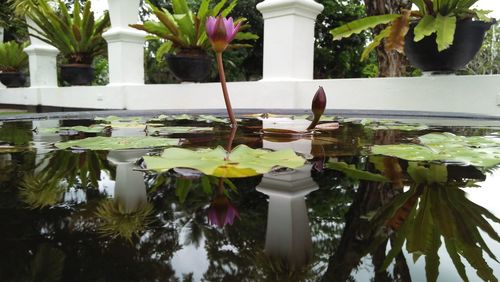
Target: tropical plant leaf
[
  {"x": 377, "y": 40},
  {"x": 455, "y": 258},
  {"x": 425, "y": 27},
  {"x": 118, "y": 143},
  {"x": 360, "y": 25},
  {"x": 432, "y": 257},
  {"x": 445, "y": 31},
  {"x": 182, "y": 188}
]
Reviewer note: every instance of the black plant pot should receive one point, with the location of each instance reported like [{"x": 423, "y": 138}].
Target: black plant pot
[
  {"x": 77, "y": 74},
  {"x": 190, "y": 68},
  {"x": 469, "y": 36},
  {"x": 13, "y": 79}
]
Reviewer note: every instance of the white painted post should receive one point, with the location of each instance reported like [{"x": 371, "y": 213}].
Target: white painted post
[
  {"x": 1, "y": 34},
  {"x": 125, "y": 44},
  {"x": 42, "y": 61},
  {"x": 289, "y": 38}
]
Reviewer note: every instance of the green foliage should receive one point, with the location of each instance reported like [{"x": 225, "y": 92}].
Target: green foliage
[
  {"x": 78, "y": 35},
  {"x": 184, "y": 29},
  {"x": 117, "y": 143},
  {"x": 446, "y": 147},
  {"x": 12, "y": 57},
  {"x": 434, "y": 16},
  {"x": 116, "y": 221},
  {"x": 340, "y": 59},
  {"x": 39, "y": 191}
]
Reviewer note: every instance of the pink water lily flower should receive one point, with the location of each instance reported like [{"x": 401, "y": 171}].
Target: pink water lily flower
[
  {"x": 221, "y": 32},
  {"x": 222, "y": 212}
]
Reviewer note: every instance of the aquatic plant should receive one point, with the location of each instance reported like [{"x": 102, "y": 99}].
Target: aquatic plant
[
  {"x": 221, "y": 211},
  {"x": 242, "y": 161},
  {"x": 221, "y": 31},
  {"x": 117, "y": 143}
]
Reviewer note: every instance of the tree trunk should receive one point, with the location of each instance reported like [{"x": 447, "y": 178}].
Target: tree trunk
[{"x": 390, "y": 63}]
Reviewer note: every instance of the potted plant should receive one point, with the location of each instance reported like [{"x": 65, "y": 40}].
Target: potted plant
[
  {"x": 442, "y": 35},
  {"x": 77, "y": 35},
  {"x": 13, "y": 60},
  {"x": 186, "y": 44}
]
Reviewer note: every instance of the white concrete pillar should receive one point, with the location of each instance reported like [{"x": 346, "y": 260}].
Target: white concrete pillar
[
  {"x": 288, "y": 235},
  {"x": 42, "y": 61},
  {"x": 289, "y": 38},
  {"x": 125, "y": 44}
]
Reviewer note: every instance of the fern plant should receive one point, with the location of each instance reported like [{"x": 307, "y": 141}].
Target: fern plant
[
  {"x": 438, "y": 17},
  {"x": 77, "y": 35},
  {"x": 183, "y": 30},
  {"x": 12, "y": 57}
]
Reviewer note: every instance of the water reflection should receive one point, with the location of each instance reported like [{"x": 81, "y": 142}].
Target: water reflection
[
  {"x": 285, "y": 226},
  {"x": 433, "y": 210},
  {"x": 288, "y": 236}
]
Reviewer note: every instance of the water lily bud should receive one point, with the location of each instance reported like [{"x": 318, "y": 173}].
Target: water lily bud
[
  {"x": 319, "y": 102},
  {"x": 221, "y": 32},
  {"x": 318, "y": 107}
]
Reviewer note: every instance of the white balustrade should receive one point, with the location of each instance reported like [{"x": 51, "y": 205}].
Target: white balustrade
[
  {"x": 125, "y": 44},
  {"x": 42, "y": 60},
  {"x": 289, "y": 38}
]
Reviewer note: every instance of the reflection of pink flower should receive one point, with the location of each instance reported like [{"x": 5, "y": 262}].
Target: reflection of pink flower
[
  {"x": 221, "y": 32},
  {"x": 222, "y": 212}
]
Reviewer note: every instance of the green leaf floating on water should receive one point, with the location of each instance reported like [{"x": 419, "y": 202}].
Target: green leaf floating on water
[
  {"x": 118, "y": 143},
  {"x": 166, "y": 130},
  {"x": 447, "y": 147},
  {"x": 241, "y": 162},
  {"x": 85, "y": 129}
]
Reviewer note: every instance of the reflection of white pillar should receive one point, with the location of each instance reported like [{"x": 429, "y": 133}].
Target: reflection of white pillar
[
  {"x": 42, "y": 61},
  {"x": 125, "y": 44},
  {"x": 289, "y": 38},
  {"x": 41, "y": 141},
  {"x": 302, "y": 146},
  {"x": 1, "y": 34},
  {"x": 288, "y": 234},
  {"x": 130, "y": 188}
]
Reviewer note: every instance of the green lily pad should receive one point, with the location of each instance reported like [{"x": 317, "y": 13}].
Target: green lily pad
[
  {"x": 166, "y": 130},
  {"x": 352, "y": 172},
  {"x": 76, "y": 129},
  {"x": 447, "y": 147},
  {"x": 116, "y": 119},
  {"x": 211, "y": 118},
  {"x": 241, "y": 162},
  {"x": 118, "y": 143}
]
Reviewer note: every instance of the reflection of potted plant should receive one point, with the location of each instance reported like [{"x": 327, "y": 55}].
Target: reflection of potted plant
[
  {"x": 441, "y": 36},
  {"x": 13, "y": 61},
  {"x": 78, "y": 36},
  {"x": 186, "y": 43}
]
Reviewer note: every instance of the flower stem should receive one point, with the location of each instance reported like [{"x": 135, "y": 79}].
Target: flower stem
[{"x": 220, "y": 67}]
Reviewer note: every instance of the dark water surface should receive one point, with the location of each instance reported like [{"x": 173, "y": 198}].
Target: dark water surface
[{"x": 81, "y": 215}]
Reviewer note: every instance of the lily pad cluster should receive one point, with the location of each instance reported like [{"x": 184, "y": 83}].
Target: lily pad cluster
[
  {"x": 386, "y": 124},
  {"x": 118, "y": 143},
  {"x": 446, "y": 147},
  {"x": 242, "y": 161}
]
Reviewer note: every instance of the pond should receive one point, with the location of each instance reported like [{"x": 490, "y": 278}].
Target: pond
[{"x": 376, "y": 199}]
